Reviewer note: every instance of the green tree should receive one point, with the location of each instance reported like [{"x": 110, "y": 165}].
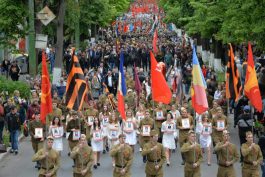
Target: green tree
[{"x": 12, "y": 22}]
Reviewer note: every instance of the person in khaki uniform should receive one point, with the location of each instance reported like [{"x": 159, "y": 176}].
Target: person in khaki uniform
[
  {"x": 130, "y": 99},
  {"x": 74, "y": 125},
  {"x": 90, "y": 112},
  {"x": 252, "y": 157},
  {"x": 184, "y": 129},
  {"x": 83, "y": 158},
  {"x": 144, "y": 138},
  {"x": 218, "y": 127},
  {"x": 37, "y": 143},
  {"x": 227, "y": 156},
  {"x": 123, "y": 157},
  {"x": 56, "y": 112},
  {"x": 48, "y": 158},
  {"x": 156, "y": 156},
  {"x": 160, "y": 117},
  {"x": 213, "y": 111},
  {"x": 193, "y": 156}
]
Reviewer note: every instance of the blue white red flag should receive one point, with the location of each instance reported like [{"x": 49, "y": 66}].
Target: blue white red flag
[{"x": 121, "y": 89}]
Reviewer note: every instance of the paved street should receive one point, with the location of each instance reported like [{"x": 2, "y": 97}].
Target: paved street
[{"x": 21, "y": 165}]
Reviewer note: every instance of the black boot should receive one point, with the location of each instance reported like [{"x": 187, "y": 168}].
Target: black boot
[{"x": 144, "y": 159}]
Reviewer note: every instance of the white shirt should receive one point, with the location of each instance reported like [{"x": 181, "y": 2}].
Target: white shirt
[{"x": 109, "y": 81}]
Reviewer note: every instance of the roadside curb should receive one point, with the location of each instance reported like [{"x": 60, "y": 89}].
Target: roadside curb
[{"x": 3, "y": 155}]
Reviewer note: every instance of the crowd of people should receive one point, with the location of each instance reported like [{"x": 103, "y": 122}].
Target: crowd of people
[{"x": 157, "y": 127}]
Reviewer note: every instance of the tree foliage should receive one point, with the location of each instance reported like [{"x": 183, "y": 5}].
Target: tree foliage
[
  {"x": 12, "y": 21},
  {"x": 235, "y": 21}
]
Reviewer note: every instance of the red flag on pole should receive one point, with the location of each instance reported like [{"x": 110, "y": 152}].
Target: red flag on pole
[
  {"x": 160, "y": 90},
  {"x": 46, "y": 99},
  {"x": 251, "y": 88}
]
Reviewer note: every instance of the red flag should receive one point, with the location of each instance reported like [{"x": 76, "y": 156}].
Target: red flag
[
  {"x": 251, "y": 88},
  {"x": 160, "y": 90},
  {"x": 155, "y": 42},
  {"x": 46, "y": 99}
]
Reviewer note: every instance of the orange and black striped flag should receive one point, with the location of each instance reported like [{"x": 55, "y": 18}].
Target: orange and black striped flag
[
  {"x": 233, "y": 84},
  {"x": 76, "y": 87}
]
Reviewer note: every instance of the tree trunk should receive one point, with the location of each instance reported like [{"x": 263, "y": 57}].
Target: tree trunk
[{"x": 60, "y": 35}]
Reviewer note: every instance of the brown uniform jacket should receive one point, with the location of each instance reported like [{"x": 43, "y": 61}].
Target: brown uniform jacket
[{"x": 251, "y": 155}]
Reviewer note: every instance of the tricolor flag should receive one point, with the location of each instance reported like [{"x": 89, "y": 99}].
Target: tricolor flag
[
  {"x": 46, "y": 99},
  {"x": 121, "y": 89},
  {"x": 76, "y": 87},
  {"x": 251, "y": 88},
  {"x": 233, "y": 84},
  {"x": 198, "y": 94}
]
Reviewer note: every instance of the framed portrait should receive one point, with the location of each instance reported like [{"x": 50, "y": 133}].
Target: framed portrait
[
  {"x": 90, "y": 120},
  {"x": 39, "y": 132},
  {"x": 185, "y": 123},
  {"x": 220, "y": 125},
  {"x": 159, "y": 115},
  {"x": 146, "y": 130},
  {"x": 76, "y": 135}
]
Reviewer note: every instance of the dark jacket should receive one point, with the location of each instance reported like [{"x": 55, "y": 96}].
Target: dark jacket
[{"x": 13, "y": 121}]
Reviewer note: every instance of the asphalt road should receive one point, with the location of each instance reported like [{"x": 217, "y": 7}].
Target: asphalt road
[{"x": 22, "y": 166}]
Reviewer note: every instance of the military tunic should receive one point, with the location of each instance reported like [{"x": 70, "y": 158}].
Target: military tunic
[
  {"x": 250, "y": 155},
  {"x": 218, "y": 134},
  {"x": 37, "y": 143},
  {"x": 49, "y": 164},
  {"x": 192, "y": 155},
  {"x": 226, "y": 154},
  {"x": 159, "y": 121},
  {"x": 155, "y": 157},
  {"x": 74, "y": 124},
  {"x": 183, "y": 133},
  {"x": 145, "y": 139},
  {"x": 123, "y": 160},
  {"x": 83, "y": 159}
]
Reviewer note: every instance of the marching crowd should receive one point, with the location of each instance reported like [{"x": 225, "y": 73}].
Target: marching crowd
[{"x": 157, "y": 127}]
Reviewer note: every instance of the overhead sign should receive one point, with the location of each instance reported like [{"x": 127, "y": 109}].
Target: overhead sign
[
  {"x": 41, "y": 41},
  {"x": 46, "y": 15}
]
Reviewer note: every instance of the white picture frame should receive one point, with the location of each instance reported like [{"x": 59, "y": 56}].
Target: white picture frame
[
  {"x": 97, "y": 136},
  {"x": 76, "y": 135},
  {"x": 170, "y": 127},
  {"x": 90, "y": 120},
  {"x": 129, "y": 126},
  {"x": 185, "y": 123},
  {"x": 220, "y": 124},
  {"x": 206, "y": 129},
  {"x": 159, "y": 115},
  {"x": 39, "y": 132},
  {"x": 146, "y": 129},
  {"x": 56, "y": 132}
]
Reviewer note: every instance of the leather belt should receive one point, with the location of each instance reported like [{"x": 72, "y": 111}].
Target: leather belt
[
  {"x": 153, "y": 161},
  {"x": 119, "y": 166},
  {"x": 46, "y": 168},
  {"x": 222, "y": 165},
  {"x": 249, "y": 163}
]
